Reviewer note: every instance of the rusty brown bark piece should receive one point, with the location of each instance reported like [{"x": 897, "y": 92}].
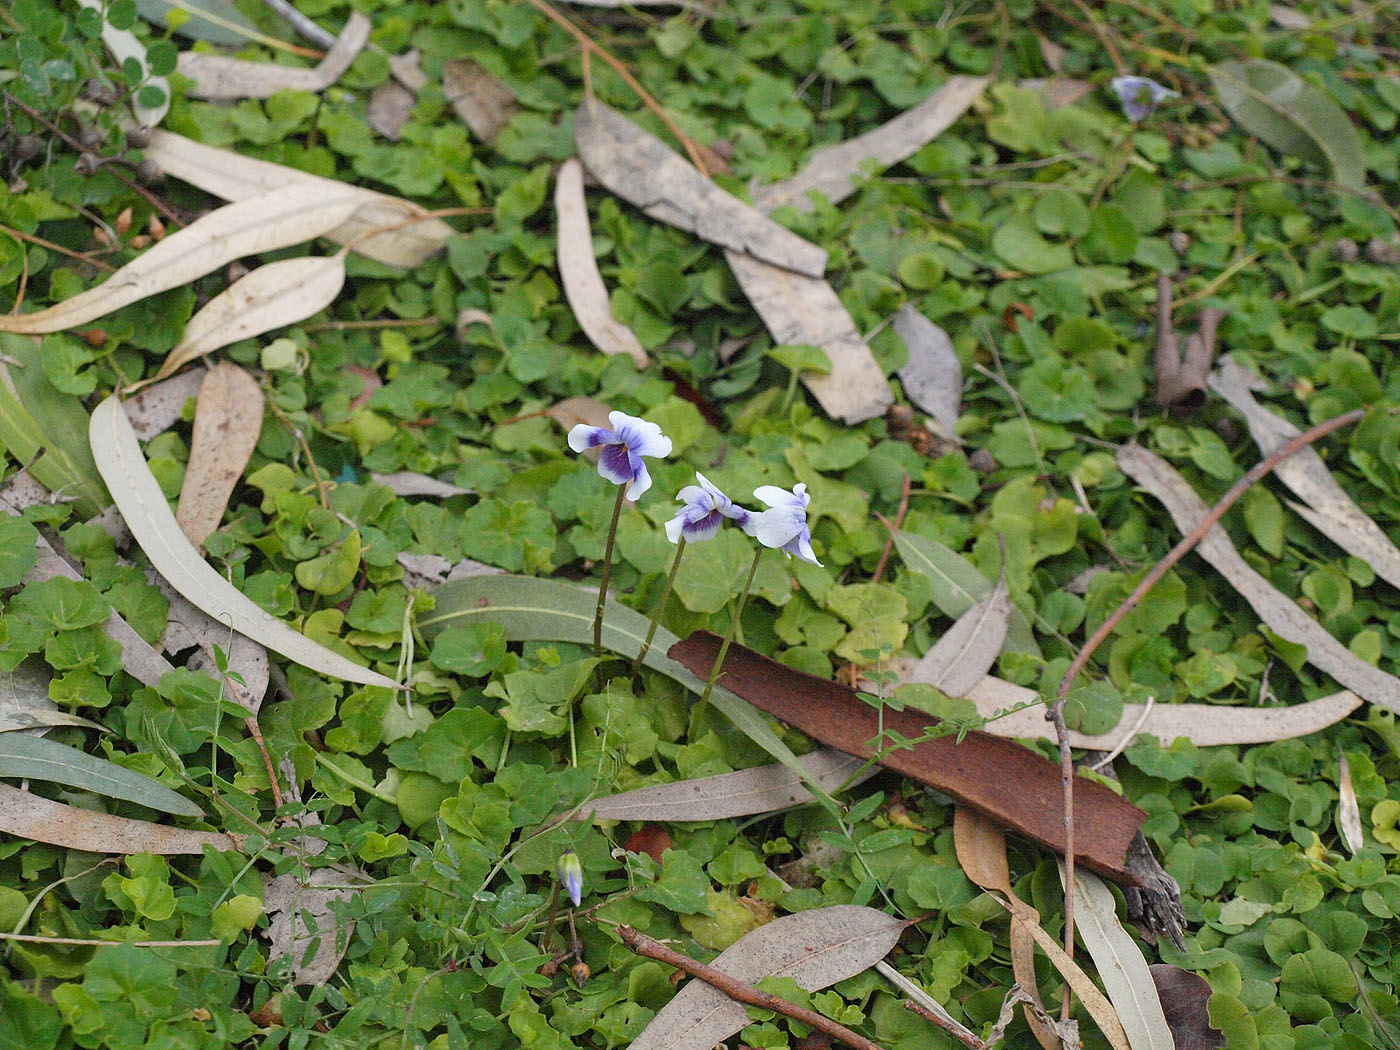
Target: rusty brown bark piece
[{"x": 1008, "y": 783}]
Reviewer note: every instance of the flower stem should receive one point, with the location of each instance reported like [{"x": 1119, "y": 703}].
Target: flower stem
[
  {"x": 607, "y": 572},
  {"x": 729, "y": 634},
  {"x": 660, "y": 607}
]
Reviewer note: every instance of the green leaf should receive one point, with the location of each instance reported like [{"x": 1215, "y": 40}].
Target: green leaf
[
  {"x": 1022, "y": 247},
  {"x": 1292, "y": 116},
  {"x": 35, "y": 758},
  {"x": 332, "y": 572},
  {"x": 531, "y": 609},
  {"x": 17, "y": 549}
]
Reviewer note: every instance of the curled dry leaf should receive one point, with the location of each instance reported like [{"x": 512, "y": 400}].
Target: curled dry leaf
[
  {"x": 138, "y": 496},
  {"x": 1328, "y": 508},
  {"x": 409, "y": 483},
  {"x": 235, "y": 178},
  {"x": 29, "y": 816},
  {"x": 426, "y": 571},
  {"x": 1277, "y": 610},
  {"x": 740, "y": 794},
  {"x": 1205, "y": 725},
  {"x": 578, "y": 269},
  {"x": 932, "y": 376},
  {"x": 227, "y": 421},
  {"x": 392, "y": 101},
  {"x": 272, "y": 296},
  {"x": 221, "y": 78},
  {"x": 1000, "y": 778},
  {"x": 835, "y": 170},
  {"x": 481, "y": 102},
  {"x": 815, "y": 948},
  {"x": 288, "y": 215},
  {"x": 644, "y": 171},
  {"x": 1348, "y": 810},
  {"x": 799, "y": 309},
  {"x": 1120, "y": 964},
  {"x": 156, "y": 408},
  {"x": 967, "y": 650}
]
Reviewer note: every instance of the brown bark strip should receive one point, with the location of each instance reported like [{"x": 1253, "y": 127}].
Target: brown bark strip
[
  {"x": 1010, "y": 784},
  {"x": 651, "y": 948},
  {"x": 1181, "y": 379}
]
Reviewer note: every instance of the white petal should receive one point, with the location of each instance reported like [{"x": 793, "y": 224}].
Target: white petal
[
  {"x": 674, "y": 526},
  {"x": 583, "y": 436},
  {"x": 640, "y": 484}
]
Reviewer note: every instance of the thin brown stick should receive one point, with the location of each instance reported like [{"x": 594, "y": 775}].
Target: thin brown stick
[
  {"x": 252, "y": 725},
  {"x": 651, "y": 948},
  {"x": 84, "y": 257},
  {"x": 898, "y": 523},
  {"x": 591, "y": 47},
  {"x": 932, "y": 1018},
  {"x": 1056, "y": 713}
]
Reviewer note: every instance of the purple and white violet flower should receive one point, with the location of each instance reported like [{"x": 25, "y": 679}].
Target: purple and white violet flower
[
  {"x": 570, "y": 873},
  {"x": 704, "y": 512},
  {"x": 1139, "y": 96},
  {"x": 623, "y": 447},
  {"x": 784, "y": 524}
]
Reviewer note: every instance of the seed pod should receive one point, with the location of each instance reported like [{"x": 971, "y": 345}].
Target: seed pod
[
  {"x": 90, "y": 138},
  {"x": 87, "y": 164},
  {"x": 580, "y": 972},
  {"x": 139, "y": 137},
  {"x": 1382, "y": 253},
  {"x": 123, "y": 223},
  {"x": 1344, "y": 250},
  {"x": 148, "y": 173},
  {"x": 155, "y": 227},
  {"x": 94, "y": 337},
  {"x": 27, "y": 146}
]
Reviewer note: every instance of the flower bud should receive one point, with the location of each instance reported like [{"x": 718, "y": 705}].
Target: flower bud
[{"x": 570, "y": 873}]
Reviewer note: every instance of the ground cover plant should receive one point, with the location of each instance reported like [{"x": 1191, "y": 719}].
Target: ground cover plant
[{"x": 352, "y": 673}]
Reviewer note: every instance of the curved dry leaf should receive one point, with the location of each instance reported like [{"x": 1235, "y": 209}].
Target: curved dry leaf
[
  {"x": 1276, "y": 609},
  {"x": 29, "y": 816},
  {"x": 187, "y": 627},
  {"x": 967, "y": 650},
  {"x": 980, "y": 845},
  {"x": 139, "y": 498},
  {"x": 272, "y": 296},
  {"x": 483, "y": 103},
  {"x": 1329, "y": 509},
  {"x": 1186, "y": 1002},
  {"x": 235, "y": 178},
  {"x": 739, "y": 794},
  {"x": 932, "y": 377},
  {"x": 815, "y": 948},
  {"x": 1348, "y": 810},
  {"x": 288, "y": 215},
  {"x": 409, "y": 483},
  {"x": 25, "y": 703},
  {"x": 832, "y": 171},
  {"x": 1120, "y": 964},
  {"x": 1205, "y": 725},
  {"x": 578, "y": 269},
  {"x": 572, "y": 411},
  {"x": 644, "y": 171},
  {"x": 226, "y": 79},
  {"x": 800, "y": 309},
  {"x": 302, "y": 919},
  {"x": 123, "y": 45},
  {"x": 158, "y": 407},
  {"x": 227, "y": 421}
]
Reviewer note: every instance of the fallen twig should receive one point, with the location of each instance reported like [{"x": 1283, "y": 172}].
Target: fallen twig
[
  {"x": 650, "y": 948},
  {"x": 1181, "y": 378}
]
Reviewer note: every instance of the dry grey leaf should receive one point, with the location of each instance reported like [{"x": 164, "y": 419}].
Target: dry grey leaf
[
  {"x": 740, "y": 794},
  {"x": 644, "y": 171},
  {"x": 1058, "y": 91},
  {"x": 1205, "y": 725},
  {"x": 283, "y": 217},
  {"x": 272, "y": 296},
  {"x": 834, "y": 170},
  {"x": 1282, "y": 616},
  {"x": 25, "y": 703},
  {"x": 227, "y": 79},
  {"x": 578, "y": 269},
  {"x": 963, "y": 656},
  {"x": 1120, "y": 963},
  {"x": 929, "y": 1003},
  {"x": 138, "y": 496},
  {"x": 392, "y": 101},
  {"x": 581, "y": 409},
  {"x": 1284, "y": 16},
  {"x": 815, "y": 948},
  {"x": 1348, "y": 810},
  {"x": 1329, "y": 509},
  {"x": 156, "y": 408},
  {"x": 139, "y": 657},
  {"x": 303, "y": 924},
  {"x": 932, "y": 377},
  {"x": 798, "y": 309},
  {"x": 408, "y": 483},
  {"x": 28, "y": 816},
  {"x": 483, "y": 103},
  {"x": 234, "y": 177},
  {"x": 426, "y": 571},
  {"x": 227, "y": 421}
]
